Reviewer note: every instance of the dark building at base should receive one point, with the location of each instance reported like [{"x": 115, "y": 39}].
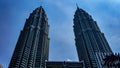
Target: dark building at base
[
  {"x": 112, "y": 61},
  {"x": 1, "y": 66},
  {"x": 64, "y": 64}
]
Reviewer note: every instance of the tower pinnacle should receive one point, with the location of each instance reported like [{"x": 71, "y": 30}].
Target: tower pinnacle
[{"x": 77, "y": 5}]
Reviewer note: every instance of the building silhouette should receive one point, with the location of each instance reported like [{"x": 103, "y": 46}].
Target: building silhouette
[
  {"x": 64, "y": 64},
  {"x": 112, "y": 61},
  {"x": 1, "y": 66},
  {"x": 89, "y": 40},
  {"x": 32, "y": 48}
]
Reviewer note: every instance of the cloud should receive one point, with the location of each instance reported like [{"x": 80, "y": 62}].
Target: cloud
[
  {"x": 63, "y": 6},
  {"x": 115, "y": 1},
  {"x": 69, "y": 60},
  {"x": 114, "y": 40}
]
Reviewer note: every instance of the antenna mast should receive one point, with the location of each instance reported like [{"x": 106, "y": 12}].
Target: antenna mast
[{"x": 77, "y": 5}]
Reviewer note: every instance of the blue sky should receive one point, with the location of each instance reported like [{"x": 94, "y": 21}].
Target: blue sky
[{"x": 13, "y": 14}]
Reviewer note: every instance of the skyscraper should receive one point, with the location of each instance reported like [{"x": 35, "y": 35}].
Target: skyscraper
[
  {"x": 89, "y": 39},
  {"x": 32, "y": 48}
]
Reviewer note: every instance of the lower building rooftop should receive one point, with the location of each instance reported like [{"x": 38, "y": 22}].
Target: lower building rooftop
[{"x": 64, "y": 64}]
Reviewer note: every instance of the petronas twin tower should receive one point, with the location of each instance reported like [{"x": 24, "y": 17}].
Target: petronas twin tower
[
  {"x": 32, "y": 48},
  {"x": 90, "y": 41},
  {"x": 33, "y": 44}
]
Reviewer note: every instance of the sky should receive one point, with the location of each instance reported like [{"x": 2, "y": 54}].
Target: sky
[{"x": 13, "y": 14}]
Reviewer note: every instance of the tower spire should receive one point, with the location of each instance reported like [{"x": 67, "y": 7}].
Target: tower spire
[{"x": 77, "y": 5}]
